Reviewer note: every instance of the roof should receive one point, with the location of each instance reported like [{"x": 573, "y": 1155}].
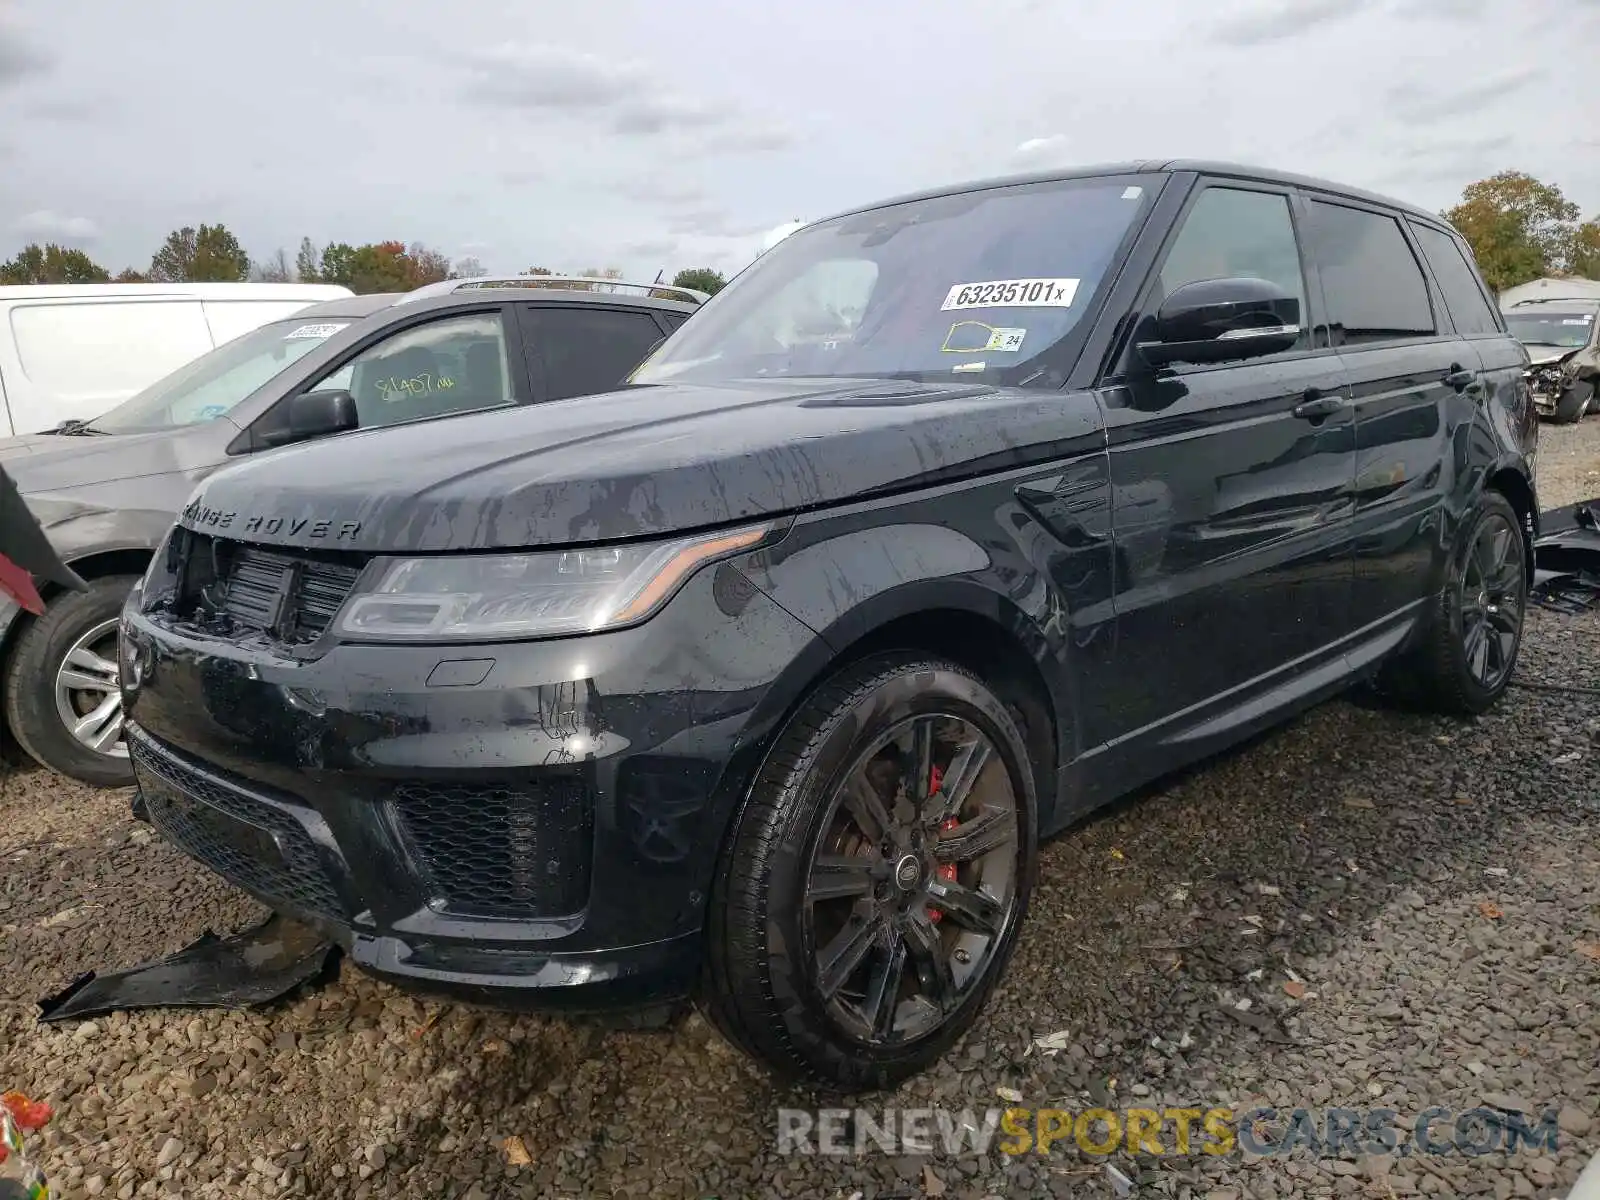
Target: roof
[
  {"x": 151, "y": 291},
  {"x": 367, "y": 305},
  {"x": 348, "y": 306},
  {"x": 1160, "y": 166}
]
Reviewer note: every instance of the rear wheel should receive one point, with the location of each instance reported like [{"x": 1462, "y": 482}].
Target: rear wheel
[
  {"x": 61, "y": 696},
  {"x": 1575, "y": 401},
  {"x": 1469, "y": 649},
  {"x": 872, "y": 890}
]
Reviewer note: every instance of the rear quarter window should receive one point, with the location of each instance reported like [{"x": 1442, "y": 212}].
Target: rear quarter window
[
  {"x": 1469, "y": 307},
  {"x": 107, "y": 348}
]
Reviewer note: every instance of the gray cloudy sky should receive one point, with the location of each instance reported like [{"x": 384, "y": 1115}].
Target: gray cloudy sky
[{"x": 651, "y": 134}]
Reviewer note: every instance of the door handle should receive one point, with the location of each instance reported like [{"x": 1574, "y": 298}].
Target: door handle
[
  {"x": 1317, "y": 407},
  {"x": 1463, "y": 380}
]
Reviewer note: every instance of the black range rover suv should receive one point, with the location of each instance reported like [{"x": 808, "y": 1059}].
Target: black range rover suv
[{"x": 760, "y": 679}]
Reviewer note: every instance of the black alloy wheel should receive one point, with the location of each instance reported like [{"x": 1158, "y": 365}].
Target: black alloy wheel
[
  {"x": 870, "y": 894},
  {"x": 1492, "y": 587},
  {"x": 912, "y": 880}
]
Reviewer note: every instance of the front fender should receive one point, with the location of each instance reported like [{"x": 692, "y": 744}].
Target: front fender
[
  {"x": 104, "y": 531},
  {"x": 846, "y": 584}
]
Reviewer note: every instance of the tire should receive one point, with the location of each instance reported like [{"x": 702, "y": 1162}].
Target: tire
[
  {"x": 1441, "y": 672},
  {"x": 1575, "y": 401},
  {"x": 935, "y": 894},
  {"x": 30, "y": 690}
]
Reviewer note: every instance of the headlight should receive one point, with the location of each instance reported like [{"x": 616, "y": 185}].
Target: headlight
[{"x": 482, "y": 596}]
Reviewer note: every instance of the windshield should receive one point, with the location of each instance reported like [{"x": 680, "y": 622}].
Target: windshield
[
  {"x": 978, "y": 286},
  {"x": 211, "y": 385},
  {"x": 1564, "y": 329}
]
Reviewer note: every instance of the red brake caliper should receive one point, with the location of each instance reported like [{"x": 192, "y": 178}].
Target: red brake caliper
[{"x": 944, "y": 870}]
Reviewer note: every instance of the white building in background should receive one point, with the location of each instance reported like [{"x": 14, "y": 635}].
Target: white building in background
[{"x": 1550, "y": 289}]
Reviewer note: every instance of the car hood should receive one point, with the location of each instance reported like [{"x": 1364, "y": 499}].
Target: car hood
[
  {"x": 42, "y": 462},
  {"x": 1540, "y": 356},
  {"x": 634, "y": 463}
]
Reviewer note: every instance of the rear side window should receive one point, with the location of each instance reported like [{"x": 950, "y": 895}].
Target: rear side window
[
  {"x": 1374, "y": 287},
  {"x": 1469, "y": 309},
  {"x": 107, "y": 349},
  {"x": 586, "y": 350}
]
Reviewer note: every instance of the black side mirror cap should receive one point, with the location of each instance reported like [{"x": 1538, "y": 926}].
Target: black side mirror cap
[
  {"x": 312, "y": 415},
  {"x": 1223, "y": 320}
]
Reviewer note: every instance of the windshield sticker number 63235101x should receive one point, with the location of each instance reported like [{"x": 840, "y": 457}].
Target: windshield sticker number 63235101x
[{"x": 1012, "y": 293}]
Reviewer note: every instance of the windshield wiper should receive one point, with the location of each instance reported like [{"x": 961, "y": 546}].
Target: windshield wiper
[{"x": 77, "y": 427}]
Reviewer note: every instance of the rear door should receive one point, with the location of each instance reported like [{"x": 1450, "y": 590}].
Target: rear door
[
  {"x": 580, "y": 349},
  {"x": 1231, "y": 511},
  {"x": 1413, "y": 381}
]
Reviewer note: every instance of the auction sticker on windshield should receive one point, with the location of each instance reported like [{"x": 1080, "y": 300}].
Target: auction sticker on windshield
[
  {"x": 1012, "y": 293},
  {"x": 313, "y": 331}
]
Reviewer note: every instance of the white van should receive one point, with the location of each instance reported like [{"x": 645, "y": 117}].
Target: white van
[{"x": 77, "y": 350}]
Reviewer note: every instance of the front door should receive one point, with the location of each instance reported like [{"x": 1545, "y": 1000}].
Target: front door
[{"x": 1231, "y": 498}]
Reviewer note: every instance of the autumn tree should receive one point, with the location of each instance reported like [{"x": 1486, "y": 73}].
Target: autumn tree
[
  {"x": 129, "y": 275},
  {"x": 381, "y": 266},
  {"x": 701, "y": 279},
  {"x": 273, "y": 270},
  {"x": 52, "y": 264},
  {"x": 468, "y": 268},
  {"x": 1586, "y": 250},
  {"x": 1519, "y": 228},
  {"x": 538, "y": 271},
  {"x": 209, "y": 254}
]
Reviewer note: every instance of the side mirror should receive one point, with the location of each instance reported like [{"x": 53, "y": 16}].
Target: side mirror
[
  {"x": 313, "y": 415},
  {"x": 1223, "y": 320}
]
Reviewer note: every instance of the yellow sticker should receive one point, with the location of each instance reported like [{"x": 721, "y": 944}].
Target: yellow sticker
[{"x": 974, "y": 337}]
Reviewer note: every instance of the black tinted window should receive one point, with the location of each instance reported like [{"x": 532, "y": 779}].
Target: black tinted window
[
  {"x": 586, "y": 350},
  {"x": 1462, "y": 296},
  {"x": 1373, "y": 286},
  {"x": 1232, "y": 233}
]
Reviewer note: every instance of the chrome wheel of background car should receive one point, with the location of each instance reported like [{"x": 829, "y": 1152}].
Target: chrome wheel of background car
[
  {"x": 87, "y": 697},
  {"x": 1491, "y": 601},
  {"x": 912, "y": 881}
]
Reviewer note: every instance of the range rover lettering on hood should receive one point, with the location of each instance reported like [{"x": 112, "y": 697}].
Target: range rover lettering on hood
[{"x": 200, "y": 516}]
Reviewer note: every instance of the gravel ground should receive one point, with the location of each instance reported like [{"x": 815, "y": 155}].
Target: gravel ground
[{"x": 1432, "y": 885}]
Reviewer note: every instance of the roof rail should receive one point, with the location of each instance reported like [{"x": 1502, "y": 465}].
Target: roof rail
[{"x": 446, "y": 287}]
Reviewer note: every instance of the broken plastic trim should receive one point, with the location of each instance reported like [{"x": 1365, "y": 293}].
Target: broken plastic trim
[
  {"x": 254, "y": 967},
  {"x": 1566, "y": 559}
]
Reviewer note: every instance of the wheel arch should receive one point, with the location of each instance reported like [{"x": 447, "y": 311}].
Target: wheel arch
[
  {"x": 123, "y": 560},
  {"x": 958, "y": 620},
  {"x": 1510, "y": 481}
]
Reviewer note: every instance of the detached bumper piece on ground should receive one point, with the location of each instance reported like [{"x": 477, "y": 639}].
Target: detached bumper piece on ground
[
  {"x": 254, "y": 967},
  {"x": 1567, "y": 559}
]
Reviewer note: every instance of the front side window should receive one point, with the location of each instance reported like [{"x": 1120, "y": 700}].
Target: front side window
[
  {"x": 1462, "y": 296},
  {"x": 214, "y": 384},
  {"x": 1566, "y": 330},
  {"x": 1374, "y": 288},
  {"x": 452, "y": 365},
  {"x": 1231, "y": 233},
  {"x": 980, "y": 285}
]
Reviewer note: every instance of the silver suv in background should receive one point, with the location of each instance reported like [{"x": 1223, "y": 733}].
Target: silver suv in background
[
  {"x": 107, "y": 490},
  {"x": 1563, "y": 341}
]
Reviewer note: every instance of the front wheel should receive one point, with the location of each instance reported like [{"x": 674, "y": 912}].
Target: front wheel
[
  {"x": 61, "y": 695},
  {"x": 871, "y": 892},
  {"x": 1575, "y": 401},
  {"x": 1465, "y": 658}
]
